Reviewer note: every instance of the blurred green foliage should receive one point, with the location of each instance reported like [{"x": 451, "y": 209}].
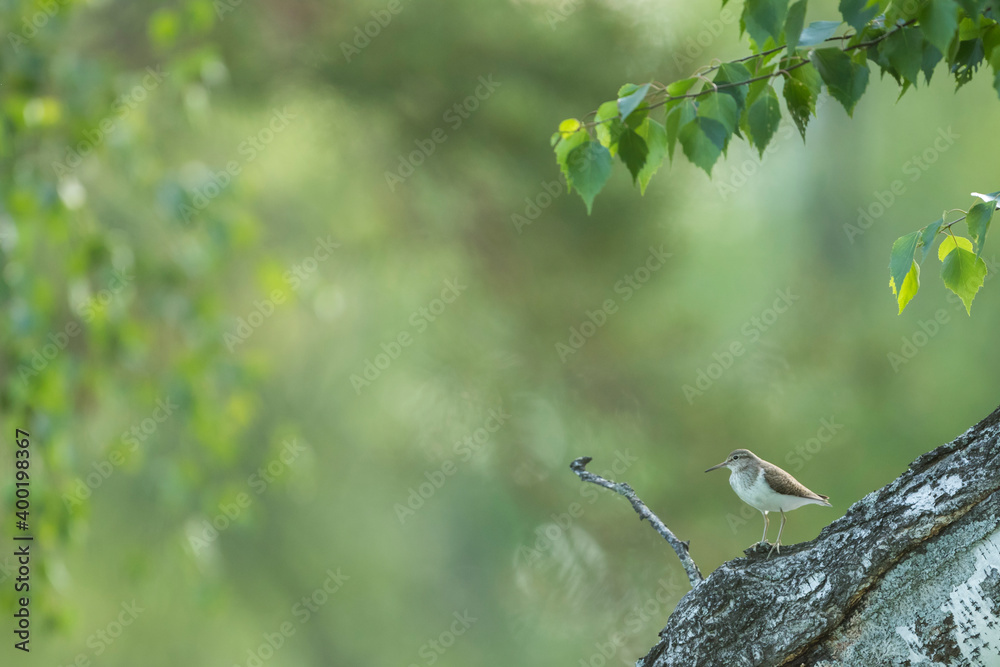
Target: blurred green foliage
[{"x": 199, "y": 191}]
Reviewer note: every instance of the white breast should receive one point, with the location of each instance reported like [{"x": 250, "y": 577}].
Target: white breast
[{"x": 758, "y": 494}]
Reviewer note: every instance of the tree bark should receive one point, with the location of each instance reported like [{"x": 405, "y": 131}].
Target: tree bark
[{"x": 910, "y": 575}]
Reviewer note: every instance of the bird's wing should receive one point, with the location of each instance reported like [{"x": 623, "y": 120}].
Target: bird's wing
[{"x": 784, "y": 483}]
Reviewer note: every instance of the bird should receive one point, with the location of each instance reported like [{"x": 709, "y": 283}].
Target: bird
[{"x": 767, "y": 488}]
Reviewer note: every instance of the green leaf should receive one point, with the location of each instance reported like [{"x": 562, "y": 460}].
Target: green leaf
[
  {"x": 991, "y": 42},
  {"x": 793, "y": 25},
  {"x": 720, "y": 108},
  {"x": 757, "y": 87},
  {"x": 807, "y": 74},
  {"x": 927, "y": 235},
  {"x": 818, "y": 32},
  {"x": 564, "y": 148},
  {"x": 607, "y": 111},
  {"x": 857, "y": 13},
  {"x": 702, "y": 142},
  {"x": 681, "y": 87},
  {"x": 972, "y": 7},
  {"x": 630, "y": 97},
  {"x": 845, "y": 79},
  {"x": 966, "y": 60},
  {"x": 963, "y": 273},
  {"x": 950, "y": 243},
  {"x": 763, "y": 117},
  {"x": 633, "y": 151},
  {"x": 569, "y": 126},
  {"x": 801, "y": 89},
  {"x": 969, "y": 28},
  {"x": 608, "y": 125},
  {"x": 589, "y": 167},
  {"x": 733, "y": 73},
  {"x": 911, "y": 283},
  {"x": 906, "y": 85},
  {"x": 901, "y": 259},
  {"x": 801, "y": 103},
  {"x": 978, "y": 220},
  {"x": 939, "y": 20},
  {"x": 707, "y": 136},
  {"x": 638, "y": 117},
  {"x": 930, "y": 60},
  {"x": 764, "y": 18},
  {"x": 899, "y": 12},
  {"x": 904, "y": 49},
  {"x": 656, "y": 140},
  {"x": 679, "y": 116}
]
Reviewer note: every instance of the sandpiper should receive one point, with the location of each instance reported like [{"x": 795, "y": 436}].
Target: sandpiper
[{"x": 767, "y": 487}]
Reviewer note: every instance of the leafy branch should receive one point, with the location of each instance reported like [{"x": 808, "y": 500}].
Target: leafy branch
[
  {"x": 962, "y": 268},
  {"x": 703, "y": 114},
  {"x": 661, "y": 89}
]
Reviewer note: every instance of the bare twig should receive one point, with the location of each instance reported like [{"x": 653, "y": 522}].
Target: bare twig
[{"x": 579, "y": 466}]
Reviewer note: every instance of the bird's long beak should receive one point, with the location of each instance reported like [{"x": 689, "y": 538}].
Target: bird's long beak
[{"x": 721, "y": 465}]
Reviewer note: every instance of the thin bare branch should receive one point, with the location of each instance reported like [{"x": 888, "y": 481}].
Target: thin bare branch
[{"x": 579, "y": 466}]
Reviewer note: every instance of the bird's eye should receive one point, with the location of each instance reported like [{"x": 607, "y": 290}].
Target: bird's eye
[{"x": 736, "y": 456}]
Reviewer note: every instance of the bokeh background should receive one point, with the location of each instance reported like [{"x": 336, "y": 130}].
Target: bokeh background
[{"x": 199, "y": 248}]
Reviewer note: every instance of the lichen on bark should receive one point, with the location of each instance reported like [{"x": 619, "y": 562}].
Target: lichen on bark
[{"x": 908, "y": 575}]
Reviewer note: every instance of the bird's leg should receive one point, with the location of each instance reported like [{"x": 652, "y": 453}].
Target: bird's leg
[
  {"x": 763, "y": 538},
  {"x": 777, "y": 543}
]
